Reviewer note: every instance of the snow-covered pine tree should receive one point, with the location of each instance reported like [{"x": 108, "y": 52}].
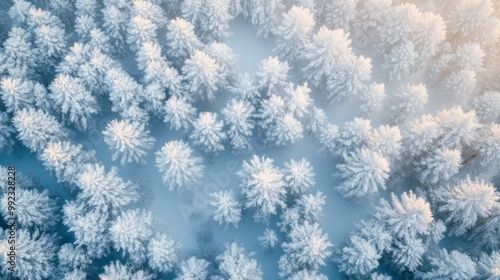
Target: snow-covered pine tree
[
  {"x": 407, "y": 254},
  {"x": 129, "y": 140},
  {"x": 386, "y": 140},
  {"x": 309, "y": 275},
  {"x": 438, "y": 166},
  {"x": 131, "y": 232},
  {"x": 36, "y": 128},
  {"x": 311, "y": 206},
  {"x": 453, "y": 265},
  {"x": 400, "y": 61},
  {"x": 316, "y": 121},
  {"x": 263, "y": 186},
  {"x": 466, "y": 203},
  {"x": 75, "y": 274},
  {"x": 104, "y": 190},
  {"x": 50, "y": 41},
  {"x": 76, "y": 103},
  {"x": 238, "y": 117},
  {"x": 286, "y": 131},
  {"x": 406, "y": 218},
  {"x": 33, "y": 208},
  {"x": 208, "y": 133},
  {"x": 117, "y": 270},
  {"x": 487, "y": 106},
  {"x": 18, "y": 57},
  {"x": 89, "y": 226},
  {"x": 298, "y": 99},
  {"x": 162, "y": 253},
  {"x": 269, "y": 239},
  {"x": 35, "y": 254},
  {"x": 140, "y": 30},
  {"x": 115, "y": 24},
  {"x": 339, "y": 14},
  {"x": 193, "y": 269},
  {"x": 487, "y": 265},
  {"x": 299, "y": 176},
  {"x": 264, "y": 15},
  {"x": 71, "y": 257},
  {"x": 227, "y": 208},
  {"x": 486, "y": 148},
  {"x": 203, "y": 76},
  {"x": 214, "y": 20},
  {"x": 409, "y": 100},
  {"x": 372, "y": 99},
  {"x": 468, "y": 19},
  {"x": 225, "y": 56},
  {"x": 293, "y": 33},
  {"x": 16, "y": 93},
  {"x": 272, "y": 75},
  {"x": 181, "y": 41},
  {"x": 371, "y": 15},
  {"x": 181, "y": 170},
  {"x": 363, "y": 173},
  {"x": 179, "y": 113},
  {"x": 328, "y": 136},
  {"x": 307, "y": 248},
  {"x": 124, "y": 91},
  {"x": 358, "y": 257},
  {"x": 6, "y": 134},
  {"x": 234, "y": 263},
  {"x": 245, "y": 88}
]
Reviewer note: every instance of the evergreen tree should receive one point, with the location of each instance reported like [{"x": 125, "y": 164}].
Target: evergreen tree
[
  {"x": 263, "y": 186},
  {"x": 488, "y": 265},
  {"x": 117, "y": 270},
  {"x": 131, "y": 232},
  {"x": 339, "y": 14},
  {"x": 358, "y": 257},
  {"x": 208, "y": 133},
  {"x": 238, "y": 117},
  {"x": 128, "y": 140},
  {"x": 140, "y": 30},
  {"x": 407, "y": 254},
  {"x": 162, "y": 253},
  {"x": 454, "y": 265},
  {"x": 439, "y": 166},
  {"x": 409, "y": 100},
  {"x": 227, "y": 208},
  {"x": 316, "y": 120},
  {"x": 203, "y": 75},
  {"x": 307, "y": 248},
  {"x": 104, "y": 190},
  {"x": 179, "y": 113},
  {"x": 372, "y": 99},
  {"x": 272, "y": 74},
  {"x": 32, "y": 208},
  {"x": 467, "y": 202},
  {"x": 269, "y": 239},
  {"x": 245, "y": 88},
  {"x": 293, "y": 33},
  {"x": 181, "y": 40},
  {"x": 6, "y": 133},
  {"x": 181, "y": 170},
  {"x": 264, "y": 16},
  {"x": 89, "y": 226},
  {"x": 115, "y": 24},
  {"x": 299, "y": 176},
  {"x": 18, "y": 56},
  {"x": 234, "y": 263},
  {"x": 35, "y": 254},
  {"x": 406, "y": 218},
  {"x": 214, "y": 20},
  {"x": 16, "y": 93},
  {"x": 124, "y": 91},
  {"x": 328, "y": 137},
  {"x": 36, "y": 128},
  {"x": 311, "y": 206},
  {"x": 363, "y": 173},
  {"x": 400, "y": 61},
  {"x": 298, "y": 99},
  {"x": 193, "y": 269},
  {"x": 72, "y": 258},
  {"x": 487, "y": 106},
  {"x": 76, "y": 103}
]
